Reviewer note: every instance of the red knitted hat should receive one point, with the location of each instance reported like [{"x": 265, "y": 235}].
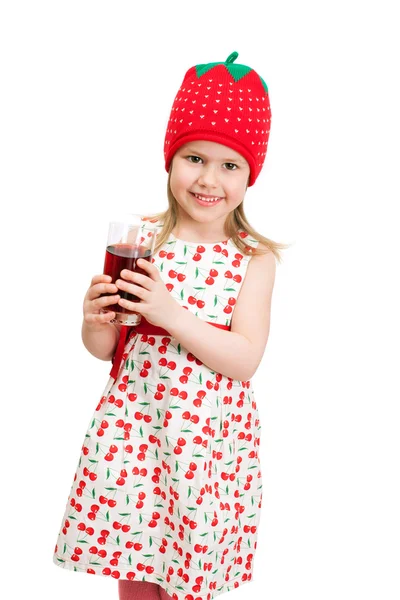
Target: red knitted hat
[{"x": 224, "y": 103}]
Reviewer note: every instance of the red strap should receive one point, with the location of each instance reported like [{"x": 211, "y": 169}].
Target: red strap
[
  {"x": 143, "y": 327},
  {"x": 117, "y": 358}
]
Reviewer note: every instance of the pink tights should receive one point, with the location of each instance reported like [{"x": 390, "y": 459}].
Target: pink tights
[{"x": 141, "y": 590}]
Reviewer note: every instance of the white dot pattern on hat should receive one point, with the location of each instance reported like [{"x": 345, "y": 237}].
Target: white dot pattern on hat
[{"x": 236, "y": 110}]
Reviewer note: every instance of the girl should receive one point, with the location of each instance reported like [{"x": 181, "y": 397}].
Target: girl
[{"x": 167, "y": 495}]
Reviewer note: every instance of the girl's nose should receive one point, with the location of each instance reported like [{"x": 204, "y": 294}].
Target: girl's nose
[{"x": 208, "y": 177}]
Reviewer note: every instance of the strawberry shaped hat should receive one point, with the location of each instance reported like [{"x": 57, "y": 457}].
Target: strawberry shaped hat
[{"x": 225, "y": 103}]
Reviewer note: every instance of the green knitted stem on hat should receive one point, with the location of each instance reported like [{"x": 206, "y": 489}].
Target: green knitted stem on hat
[{"x": 236, "y": 71}]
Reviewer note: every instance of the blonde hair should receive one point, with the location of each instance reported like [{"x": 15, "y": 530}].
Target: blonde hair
[{"x": 235, "y": 220}]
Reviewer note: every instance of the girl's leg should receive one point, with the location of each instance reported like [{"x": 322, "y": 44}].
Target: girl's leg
[{"x": 137, "y": 590}]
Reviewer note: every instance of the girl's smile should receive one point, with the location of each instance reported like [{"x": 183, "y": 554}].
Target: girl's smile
[{"x": 206, "y": 200}]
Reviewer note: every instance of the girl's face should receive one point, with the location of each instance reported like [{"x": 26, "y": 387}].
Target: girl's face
[{"x": 208, "y": 169}]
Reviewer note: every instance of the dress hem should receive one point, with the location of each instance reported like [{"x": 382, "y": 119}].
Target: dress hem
[{"x": 154, "y": 578}]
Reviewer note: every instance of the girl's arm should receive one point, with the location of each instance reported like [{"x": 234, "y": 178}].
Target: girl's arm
[
  {"x": 238, "y": 352},
  {"x": 100, "y": 340}
]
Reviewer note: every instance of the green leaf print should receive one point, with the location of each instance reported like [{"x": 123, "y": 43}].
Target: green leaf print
[
  {"x": 230, "y": 290},
  {"x": 215, "y": 300},
  {"x": 118, "y": 540},
  {"x": 108, "y": 516},
  {"x": 218, "y": 262},
  {"x": 132, "y": 365},
  {"x": 145, "y": 387},
  {"x": 200, "y": 379},
  {"x": 162, "y": 266},
  {"x": 197, "y": 272},
  {"x": 184, "y": 251},
  {"x": 199, "y": 288},
  {"x": 97, "y": 447},
  {"x": 179, "y": 348},
  {"x": 182, "y": 295},
  {"x": 130, "y": 559},
  {"x": 141, "y": 431},
  {"x": 177, "y": 262},
  {"x": 108, "y": 473},
  {"x": 144, "y": 352}
]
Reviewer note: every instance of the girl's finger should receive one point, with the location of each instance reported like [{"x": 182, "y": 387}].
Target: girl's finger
[
  {"x": 99, "y": 318},
  {"x": 134, "y": 306},
  {"x": 105, "y": 301},
  {"x": 101, "y": 288},
  {"x": 100, "y": 278}
]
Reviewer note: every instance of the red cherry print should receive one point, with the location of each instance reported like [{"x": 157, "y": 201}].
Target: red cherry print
[
  {"x": 217, "y": 248},
  {"x": 192, "y": 300},
  {"x": 170, "y": 255},
  {"x": 237, "y": 278},
  {"x": 196, "y": 257},
  {"x": 213, "y": 272},
  {"x": 224, "y": 252},
  {"x": 209, "y": 281},
  {"x": 172, "y": 273},
  {"x": 162, "y": 254},
  {"x": 169, "y": 287},
  {"x": 200, "y": 303},
  {"x": 228, "y": 274}
]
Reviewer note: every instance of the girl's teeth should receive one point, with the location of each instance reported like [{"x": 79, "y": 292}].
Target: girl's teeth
[{"x": 206, "y": 199}]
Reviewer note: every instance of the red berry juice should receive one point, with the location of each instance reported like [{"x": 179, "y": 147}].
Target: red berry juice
[{"x": 118, "y": 258}]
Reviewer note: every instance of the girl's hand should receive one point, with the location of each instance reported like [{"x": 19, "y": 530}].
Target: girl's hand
[
  {"x": 156, "y": 303},
  {"x": 93, "y": 303}
]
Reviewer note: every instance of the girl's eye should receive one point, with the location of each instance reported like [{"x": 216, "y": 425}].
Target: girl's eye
[{"x": 232, "y": 166}]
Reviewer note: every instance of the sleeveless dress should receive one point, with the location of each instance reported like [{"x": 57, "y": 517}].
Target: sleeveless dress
[{"x": 168, "y": 487}]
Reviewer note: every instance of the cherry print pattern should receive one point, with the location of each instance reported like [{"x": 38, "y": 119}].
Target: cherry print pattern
[{"x": 168, "y": 487}]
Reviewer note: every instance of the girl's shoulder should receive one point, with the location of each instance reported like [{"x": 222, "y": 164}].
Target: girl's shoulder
[{"x": 153, "y": 219}]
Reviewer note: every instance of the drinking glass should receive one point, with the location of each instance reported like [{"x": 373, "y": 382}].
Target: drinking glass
[{"x": 128, "y": 239}]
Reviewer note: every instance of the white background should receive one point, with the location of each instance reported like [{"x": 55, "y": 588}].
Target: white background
[{"x": 86, "y": 92}]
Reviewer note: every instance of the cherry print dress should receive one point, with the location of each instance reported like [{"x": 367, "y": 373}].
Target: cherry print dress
[{"x": 168, "y": 487}]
